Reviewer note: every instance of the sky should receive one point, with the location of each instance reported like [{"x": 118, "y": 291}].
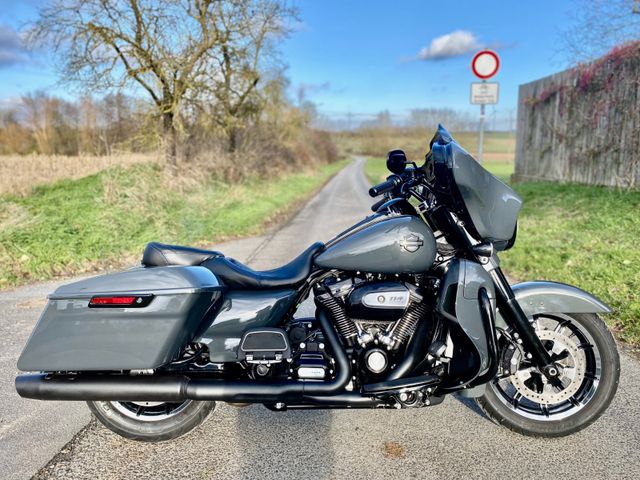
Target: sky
[{"x": 362, "y": 57}]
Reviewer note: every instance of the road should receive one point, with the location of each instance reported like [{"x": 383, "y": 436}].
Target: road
[{"x": 453, "y": 440}]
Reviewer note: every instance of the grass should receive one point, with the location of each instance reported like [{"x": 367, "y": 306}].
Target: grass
[
  {"x": 376, "y": 169},
  {"x": 585, "y": 236},
  {"x": 20, "y": 173},
  {"x": 577, "y": 234},
  {"x": 105, "y": 219},
  {"x": 498, "y": 146}
]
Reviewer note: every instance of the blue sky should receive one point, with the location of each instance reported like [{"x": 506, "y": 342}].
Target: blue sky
[{"x": 361, "y": 56}]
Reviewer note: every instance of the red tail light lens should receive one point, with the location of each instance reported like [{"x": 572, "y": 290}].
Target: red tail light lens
[{"x": 120, "y": 301}]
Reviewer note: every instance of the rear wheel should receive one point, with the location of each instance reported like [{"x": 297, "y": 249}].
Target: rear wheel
[
  {"x": 151, "y": 421},
  {"x": 523, "y": 400}
]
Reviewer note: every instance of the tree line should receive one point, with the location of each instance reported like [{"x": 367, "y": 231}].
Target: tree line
[
  {"x": 49, "y": 125},
  {"x": 195, "y": 71}
]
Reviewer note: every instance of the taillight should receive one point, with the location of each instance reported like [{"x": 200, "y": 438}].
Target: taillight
[{"x": 120, "y": 301}]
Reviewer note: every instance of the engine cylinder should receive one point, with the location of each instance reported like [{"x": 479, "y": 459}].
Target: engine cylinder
[
  {"x": 345, "y": 325},
  {"x": 406, "y": 326}
]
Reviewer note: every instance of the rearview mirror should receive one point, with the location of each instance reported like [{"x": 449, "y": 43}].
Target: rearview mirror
[{"x": 396, "y": 161}]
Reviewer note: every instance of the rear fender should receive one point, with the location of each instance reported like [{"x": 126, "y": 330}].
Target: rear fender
[{"x": 540, "y": 297}]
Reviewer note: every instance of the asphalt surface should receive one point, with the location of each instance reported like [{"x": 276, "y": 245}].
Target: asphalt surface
[{"x": 452, "y": 440}]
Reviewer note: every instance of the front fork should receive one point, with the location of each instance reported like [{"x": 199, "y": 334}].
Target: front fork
[{"x": 516, "y": 318}]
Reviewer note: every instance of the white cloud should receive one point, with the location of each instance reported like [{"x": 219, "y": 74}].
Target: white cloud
[{"x": 452, "y": 44}]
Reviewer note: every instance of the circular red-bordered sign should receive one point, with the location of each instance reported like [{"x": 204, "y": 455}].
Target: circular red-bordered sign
[{"x": 485, "y": 64}]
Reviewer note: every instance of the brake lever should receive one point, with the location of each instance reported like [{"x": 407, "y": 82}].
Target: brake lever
[{"x": 379, "y": 203}]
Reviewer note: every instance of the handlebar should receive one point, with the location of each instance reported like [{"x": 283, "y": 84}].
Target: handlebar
[{"x": 386, "y": 186}]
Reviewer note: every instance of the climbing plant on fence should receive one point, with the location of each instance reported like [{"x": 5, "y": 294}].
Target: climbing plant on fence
[{"x": 583, "y": 124}]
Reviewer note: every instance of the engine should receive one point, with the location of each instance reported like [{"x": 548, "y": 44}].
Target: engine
[{"x": 375, "y": 317}]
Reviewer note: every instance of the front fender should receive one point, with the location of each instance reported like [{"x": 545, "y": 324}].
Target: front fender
[{"x": 553, "y": 297}]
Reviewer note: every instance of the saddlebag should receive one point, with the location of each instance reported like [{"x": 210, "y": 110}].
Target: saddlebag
[{"x": 137, "y": 319}]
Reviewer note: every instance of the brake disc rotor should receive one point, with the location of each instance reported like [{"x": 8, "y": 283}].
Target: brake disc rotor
[
  {"x": 147, "y": 404},
  {"x": 572, "y": 370},
  {"x": 149, "y": 411}
]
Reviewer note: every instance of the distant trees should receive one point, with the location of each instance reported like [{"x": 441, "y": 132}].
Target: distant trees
[
  {"x": 210, "y": 54},
  {"x": 49, "y": 125},
  {"x": 454, "y": 120},
  {"x": 424, "y": 118}
]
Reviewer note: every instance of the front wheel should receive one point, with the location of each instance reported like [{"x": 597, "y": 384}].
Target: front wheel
[
  {"x": 523, "y": 400},
  {"x": 151, "y": 421}
]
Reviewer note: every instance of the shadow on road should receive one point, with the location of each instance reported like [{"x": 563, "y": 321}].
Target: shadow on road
[
  {"x": 471, "y": 404},
  {"x": 292, "y": 444}
]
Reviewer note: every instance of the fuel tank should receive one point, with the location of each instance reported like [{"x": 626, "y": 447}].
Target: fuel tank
[{"x": 397, "y": 244}]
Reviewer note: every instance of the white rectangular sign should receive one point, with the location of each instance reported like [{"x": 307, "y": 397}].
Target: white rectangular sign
[{"x": 484, "y": 93}]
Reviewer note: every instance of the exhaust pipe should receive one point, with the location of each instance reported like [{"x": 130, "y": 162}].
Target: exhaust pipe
[
  {"x": 416, "y": 352},
  {"x": 146, "y": 388},
  {"x": 178, "y": 388}
]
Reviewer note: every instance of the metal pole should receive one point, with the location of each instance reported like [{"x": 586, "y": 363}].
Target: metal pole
[{"x": 481, "y": 136}]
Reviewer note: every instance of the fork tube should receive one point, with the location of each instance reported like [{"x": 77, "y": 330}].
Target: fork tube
[{"x": 514, "y": 315}]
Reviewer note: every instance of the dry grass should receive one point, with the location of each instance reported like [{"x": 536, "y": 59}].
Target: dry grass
[
  {"x": 20, "y": 173},
  {"x": 498, "y": 146}
]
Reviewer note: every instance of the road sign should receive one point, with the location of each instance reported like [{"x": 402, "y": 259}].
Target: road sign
[
  {"x": 485, "y": 64},
  {"x": 484, "y": 93}
]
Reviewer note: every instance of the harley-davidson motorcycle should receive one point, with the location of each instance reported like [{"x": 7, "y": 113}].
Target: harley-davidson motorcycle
[{"x": 411, "y": 306}]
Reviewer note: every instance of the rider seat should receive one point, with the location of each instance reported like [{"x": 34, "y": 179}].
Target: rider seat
[{"x": 231, "y": 272}]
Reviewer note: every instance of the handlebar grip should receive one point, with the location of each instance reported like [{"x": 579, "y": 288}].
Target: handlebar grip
[{"x": 384, "y": 187}]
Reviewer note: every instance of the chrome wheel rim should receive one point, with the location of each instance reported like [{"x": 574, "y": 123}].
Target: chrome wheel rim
[
  {"x": 525, "y": 391},
  {"x": 149, "y": 411}
]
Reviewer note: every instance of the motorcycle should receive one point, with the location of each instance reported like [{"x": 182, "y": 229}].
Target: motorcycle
[{"x": 412, "y": 306}]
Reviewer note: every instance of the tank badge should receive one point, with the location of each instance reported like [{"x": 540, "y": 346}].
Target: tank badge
[{"x": 411, "y": 243}]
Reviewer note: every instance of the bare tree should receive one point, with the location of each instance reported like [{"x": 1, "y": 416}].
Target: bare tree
[
  {"x": 245, "y": 57},
  {"x": 14, "y": 137},
  {"x": 40, "y": 112},
  {"x": 598, "y": 26},
  {"x": 169, "y": 49}
]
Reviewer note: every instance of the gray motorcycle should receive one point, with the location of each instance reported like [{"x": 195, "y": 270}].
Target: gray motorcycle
[{"x": 411, "y": 306}]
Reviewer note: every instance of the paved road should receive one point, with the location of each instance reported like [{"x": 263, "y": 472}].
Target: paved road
[{"x": 452, "y": 440}]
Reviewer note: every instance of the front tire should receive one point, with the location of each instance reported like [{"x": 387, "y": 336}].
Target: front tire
[
  {"x": 521, "y": 399},
  {"x": 151, "y": 421}
]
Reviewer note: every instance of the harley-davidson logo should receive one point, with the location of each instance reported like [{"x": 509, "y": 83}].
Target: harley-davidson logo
[{"x": 411, "y": 243}]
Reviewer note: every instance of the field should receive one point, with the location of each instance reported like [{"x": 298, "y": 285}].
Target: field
[
  {"x": 20, "y": 173},
  {"x": 581, "y": 235},
  {"x": 499, "y": 147},
  {"x": 105, "y": 219},
  {"x": 499, "y": 151}
]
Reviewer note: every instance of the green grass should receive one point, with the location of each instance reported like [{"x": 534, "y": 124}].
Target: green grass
[
  {"x": 576, "y": 234},
  {"x": 78, "y": 225},
  {"x": 585, "y": 236}
]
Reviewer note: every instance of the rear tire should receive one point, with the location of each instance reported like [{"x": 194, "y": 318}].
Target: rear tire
[
  {"x": 518, "y": 413},
  {"x": 151, "y": 421}
]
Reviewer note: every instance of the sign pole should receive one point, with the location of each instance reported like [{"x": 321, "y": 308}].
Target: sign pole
[{"x": 481, "y": 134}]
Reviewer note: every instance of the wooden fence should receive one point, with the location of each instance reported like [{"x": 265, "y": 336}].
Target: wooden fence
[{"x": 583, "y": 124}]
